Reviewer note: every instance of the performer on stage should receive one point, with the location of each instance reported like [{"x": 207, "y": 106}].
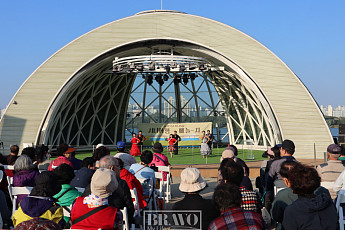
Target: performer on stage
[
  {"x": 135, "y": 151},
  {"x": 142, "y": 138},
  {"x": 204, "y": 148},
  {"x": 172, "y": 142},
  {"x": 210, "y": 142},
  {"x": 178, "y": 138}
]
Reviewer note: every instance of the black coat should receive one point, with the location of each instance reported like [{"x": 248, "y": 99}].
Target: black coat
[{"x": 196, "y": 202}]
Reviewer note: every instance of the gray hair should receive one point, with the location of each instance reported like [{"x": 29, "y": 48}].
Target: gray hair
[
  {"x": 23, "y": 163},
  {"x": 108, "y": 161}
]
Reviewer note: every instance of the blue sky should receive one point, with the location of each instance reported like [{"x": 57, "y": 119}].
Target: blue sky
[{"x": 309, "y": 36}]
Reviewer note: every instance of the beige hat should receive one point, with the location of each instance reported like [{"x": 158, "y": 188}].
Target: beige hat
[
  {"x": 103, "y": 183},
  {"x": 191, "y": 180},
  {"x": 227, "y": 153}
]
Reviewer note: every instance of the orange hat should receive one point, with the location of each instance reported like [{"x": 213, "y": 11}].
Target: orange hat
[{"x": 70, "y": 150}]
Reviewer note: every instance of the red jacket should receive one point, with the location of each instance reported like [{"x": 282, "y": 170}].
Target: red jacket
[
  {"x": 59, "y": 161},
  {"x": 103, "y": 219},
  {"x": 133, "y": 182}
]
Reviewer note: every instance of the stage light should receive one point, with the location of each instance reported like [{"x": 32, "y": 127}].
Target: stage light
[
  {"x": 152, "y": 66},
  {"x": 192, "y": 66},
  {"x": 166, "y": 77},
  {"x": 140, "y": 67},
  {"x": 182, "y": 68},
  {"x": 177, "y": 79},
  {"x": 167, "y": 68},
  {"x": 159, "y": 79},
  {"x": 202, "y": 67},
  {"x": 132, "y": 66},
  {"x": 173, "y": 65},
  {"x": 192, "y": 76},
  {"x": 185, "y": 79},
  {"x": 149, "y": 79}
]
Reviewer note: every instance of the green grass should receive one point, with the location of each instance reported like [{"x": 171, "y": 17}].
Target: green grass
[{"x": 190, "y": 156}]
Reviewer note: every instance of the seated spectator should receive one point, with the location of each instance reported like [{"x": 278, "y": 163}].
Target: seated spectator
[
  {"x": 331, "y": 170},
  {"x": 98, "y": 154},
  {"x": 121, "y": 197},
  {"x": 339, "y": 184},
  {"x": 229, "y": 154},
  {"x": 61, "y": 158},
  {"x": 127, "y": 158},
  {"x": 309, "y": 211},
  {"x": 67, "y": 194},
  {"x": 10, "y": 159},
  {"x": 132, "y": 182},
  {"x": 70, "y": 155},
  {"x": 274, "y": 179},
  {"x": 84, "y": 174},
  {"x": 40, "y": 203},
  {"x": 37, "y": 224},
  {"x": 4, "y": 210},
  {"x": 31, "y": 153},
  {"x": 228, "y": 200},
  {"x": 233, "y": 174},
  {"x": 143, "y": 171},
  {"x": 159, "y": 159},
  {"x": 286, "y": 196},
  {"x": 25, "y": 174},
  {"x": 239, "y": 161},
  {"x": 191, "y": 185},
  {"x": 103, "y": 184},
  {"x": 43, "y": 157}
]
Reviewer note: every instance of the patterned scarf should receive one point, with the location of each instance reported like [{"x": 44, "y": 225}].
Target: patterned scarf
[{"x": 94, "y": 201}]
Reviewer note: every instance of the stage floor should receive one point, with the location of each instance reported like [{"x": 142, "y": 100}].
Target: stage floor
[{"x": 211, "y": 170}]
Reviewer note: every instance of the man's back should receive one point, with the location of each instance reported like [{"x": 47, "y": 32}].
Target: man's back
[{"x": 331, "y": 170}]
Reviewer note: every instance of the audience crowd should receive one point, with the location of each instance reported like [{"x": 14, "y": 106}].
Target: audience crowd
[{"x": 90, "y": 194}]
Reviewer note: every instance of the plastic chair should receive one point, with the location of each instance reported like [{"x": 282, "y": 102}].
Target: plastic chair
[
  {"x": 80, "y": 189},
  {"x": 135, "y": 201},
  {"x": 9, "y": 167},
  {"x": 276, "y": 190},
  {"x": 125, "y": 224},
  {"x": 327, "y": 184},
  {"x": 167, "y": 184},
  {"x": 15, "y": 191},
  {"x": 340, "y": 200}
]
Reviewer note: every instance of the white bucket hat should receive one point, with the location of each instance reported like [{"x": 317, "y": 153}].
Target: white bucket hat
[
  {"x": 227, "y": 153},
  {"x": 191, "y": 180}
]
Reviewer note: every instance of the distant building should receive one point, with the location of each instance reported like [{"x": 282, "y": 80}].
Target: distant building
[{"x": 338, "y": 111}]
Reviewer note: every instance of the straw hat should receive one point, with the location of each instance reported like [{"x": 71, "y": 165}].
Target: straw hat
[
  {"x": 227, "y": 153},
  {"x": 191, "y": 180},
  {"x": 103, "y": 183}
]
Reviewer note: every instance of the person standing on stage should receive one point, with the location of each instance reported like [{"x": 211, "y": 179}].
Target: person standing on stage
[
  {"x": 172, "y": 142},
  {"x": 178, "y": 138},
  {"x": 210, "y": 142},
  {"x": 142, "y": 138},
  {"x": 135, "y": 151},
  {"x": 204, "y": 147}
]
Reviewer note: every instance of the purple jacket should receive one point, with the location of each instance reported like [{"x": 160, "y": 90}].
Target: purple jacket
[{"x": 24, "y": 178}]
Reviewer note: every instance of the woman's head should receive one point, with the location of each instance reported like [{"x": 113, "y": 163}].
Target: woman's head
[
  {"x": 146, "y": 157},
  {"x": 23, "y": 163},
  {"x": 171, "y": 135},
  {"x": 134, "y": 134},
  {"x": 103, "y": 183},
  {"x": 227, "y": 196},
  {"x": 30, "y": 152},
  {"x": 304, "y": 180},
  {"x": 47, "y": 185},
  {"x": 65, "y": 173},
  {"x": 99, "y": 153}
]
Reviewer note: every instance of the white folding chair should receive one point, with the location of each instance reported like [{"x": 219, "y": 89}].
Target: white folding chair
[
  {"x": 134, "y": 195},
  {"x": 340, "y": 200},
  {"x": 9, "y": 167},
  {"x": 80, "y": 189},
  {"x": 276, "y": 190},
  {"x": 67, "y": 213},
  {"x": 125, "y": 224},
  {"x": 15, "y": 191},
  {"x": 162, "y": 189},
  {"x": 167, "y": 190},
  {"x": 151, "y": 202},
  {"x": 328, "y": 185}
]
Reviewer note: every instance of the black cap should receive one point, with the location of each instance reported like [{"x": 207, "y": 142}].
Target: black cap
[
  {"x": 157, "y": 147},
  {"x": 334, "y": 149}
]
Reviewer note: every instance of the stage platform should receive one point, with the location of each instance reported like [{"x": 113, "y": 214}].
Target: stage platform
[{"x": 211, "y": 170}]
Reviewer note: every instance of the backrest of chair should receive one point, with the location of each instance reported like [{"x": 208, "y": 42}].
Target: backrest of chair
[
  {"x": 340, "y": 198},
  {"x": 134, "y": 194},
  {"x": 15, "y": 191},
  {"x": 9, "y": 167},
  {"x": 125, "y": 224},
  {"x": 164, "y": 168},
  {"x": 80, "y": 189},
  {"x": 66, "y": 212},
  {"x": 159, "y": 175}
]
